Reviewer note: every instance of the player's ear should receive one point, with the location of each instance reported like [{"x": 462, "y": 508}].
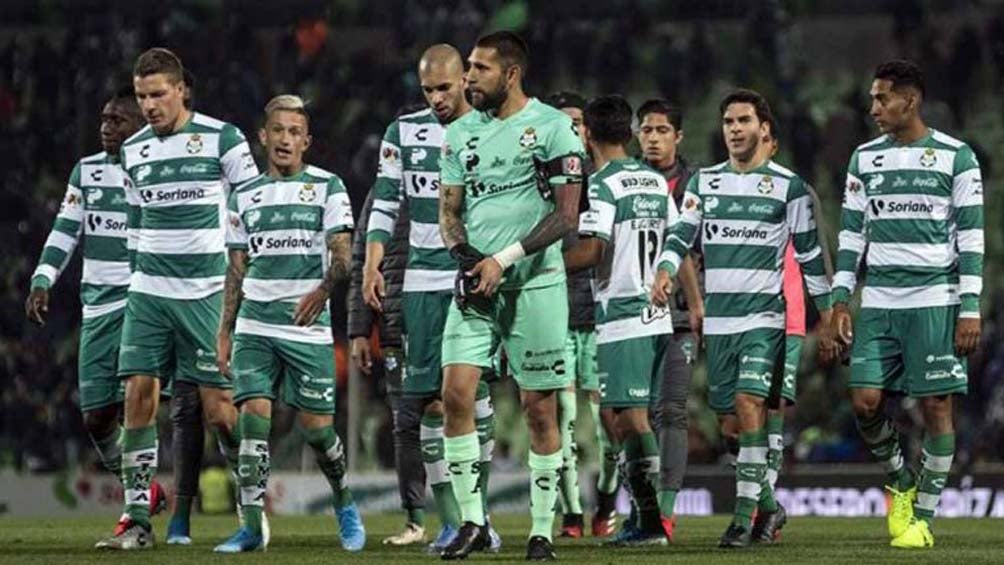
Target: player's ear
[
  {"x": 679, "y": 136},
  {"x": 261, "y": 136},
  {"x": 307, "y": 140}
]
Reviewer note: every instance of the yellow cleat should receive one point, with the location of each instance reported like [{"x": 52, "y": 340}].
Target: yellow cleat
[
  {"x": 899, "y": 512},
  {"x": 917, "y": 536}
]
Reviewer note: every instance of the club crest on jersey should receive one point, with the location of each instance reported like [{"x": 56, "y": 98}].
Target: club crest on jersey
[
  {"x": 528, "y": 139},
  {"x": 307, "y": 193},
  {"x": 194, "y": 144},
  {"x": 929, "y": 158},
  {"x": 766, "y": 185}
]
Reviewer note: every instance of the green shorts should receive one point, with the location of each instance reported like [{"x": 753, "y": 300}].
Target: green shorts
[
  {"x": 742, "y": 363},
  {"x": 580, "y": 359},
  {"x": 165, "y": 336},
  {"x": 532, "y": 325},
  {"x": 909, "y": 351},
  {"x": 97, "y": 361},
  {"x": 630, "y": 370},
  {"x": 424, "y": 319},
  {"x": 303, "y": 372},
  {"x": 785, "y": 387}
]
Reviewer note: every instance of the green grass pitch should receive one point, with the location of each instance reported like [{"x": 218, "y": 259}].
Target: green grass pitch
[{"x": 302, "y": 540}]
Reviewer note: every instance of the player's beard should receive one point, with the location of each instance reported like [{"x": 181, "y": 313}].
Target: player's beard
[{"x": 490, "y": 101}]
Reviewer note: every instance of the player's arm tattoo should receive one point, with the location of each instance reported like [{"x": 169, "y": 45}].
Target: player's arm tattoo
[
  {"x": 555, "y": 225},
  {"x": 451, "y": 224},
  {"x": 340, "y": 251},
  {"x": 232, "y": 288}
]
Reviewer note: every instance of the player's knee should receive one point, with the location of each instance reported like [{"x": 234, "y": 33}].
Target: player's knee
[
  {"x": 101, "y": 422},
  {"x": 458, "y": 402},
  {"x": 540, "y": 415},
  {"x": 937, "y": 414},
  {"x": 866, "y": 403}
]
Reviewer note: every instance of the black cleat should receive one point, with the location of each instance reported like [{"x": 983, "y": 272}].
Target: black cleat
[
  {"x": 539, "y": 549},
  {"x": 605, "y": 517},
  {"x": 471, "y": 537},
  {"x": 735, "y": 537},
  {"x": 767, "y": 526}
]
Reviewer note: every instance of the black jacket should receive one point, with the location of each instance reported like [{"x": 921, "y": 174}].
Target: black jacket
[
  {"x": 361, "y": 316},
  {"x": 581, "y": 306},
  {"x": 678, "y": 176}
]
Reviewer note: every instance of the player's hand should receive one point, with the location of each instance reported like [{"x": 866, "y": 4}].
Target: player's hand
[
  {"x": 696, "y": 315},
  {"x": 37, "y": 306},
  {"x": 224, "y": 345},
  {"x": 841, "y": 325},
  {"x": 489, "y": 273},
  {"x": 362, "y": 355},
  {"x": 373, "y": 289},
  {"x": 310, "y": 307},
  {"x": 967, "y": 336},
  {"x": 662, "y": 288}
]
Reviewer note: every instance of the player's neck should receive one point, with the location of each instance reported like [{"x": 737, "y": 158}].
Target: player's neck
[
  {"x": 461, "y": 112},
  {"x": 665, "y": 164},
  {"x": 279, "y": 172},
  {"x": 604, "y": 153},
  {"x": 912, "y": 133},
  {"x": 513, "y": 103},
  {"x": 747, "y": 165},
  {"x": 183, "y": 117}
]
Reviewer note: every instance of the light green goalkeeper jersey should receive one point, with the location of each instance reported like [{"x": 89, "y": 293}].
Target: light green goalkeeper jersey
[
  {"x": 409, "y": 170},
  {"x": 744, "y": 221},
  {"x": 630, "y": 208},
  {"x": 93, "y": 214},
  {"x": 179, "y": 188},
  {"x": 284, "y": 223},
  {"x": 493, "y": 160},
  {"x": 915, "y": 214}
]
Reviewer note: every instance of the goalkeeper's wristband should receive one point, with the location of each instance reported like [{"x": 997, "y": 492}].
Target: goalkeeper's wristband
[{"x": 510, "y": 255}]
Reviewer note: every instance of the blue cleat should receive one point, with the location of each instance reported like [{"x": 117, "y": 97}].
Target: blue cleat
[
  {"x": 350, "y": 527},
  {"x": 178, "y": 533},
  {"x": 446, "y": 535},
  {"x": 627, "y": 533},
  {"x": 242, "y": 541}
]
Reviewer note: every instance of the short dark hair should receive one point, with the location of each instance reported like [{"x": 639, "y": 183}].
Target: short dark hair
[
  {"x": 902, "y": 73},
  {"x": 609, "y": 119},
  {"x": 510, "y": 46},
  {"x": 159, "y": 60},
  {"x": 566, "y": 99},
  {"x": 747, "y": 96},
  {"x": 126, "y": 96},
  {"x": 672, "y": 112},
  {"x": 189, "y": 79}
]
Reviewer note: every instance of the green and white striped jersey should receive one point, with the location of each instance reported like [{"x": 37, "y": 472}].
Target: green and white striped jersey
[
  {"x": 745, "y": 221},
  {"x": 409, "y": 169},
  {"x": 915, "y": 214},
  {"x": 630, "y": 209},
  {"x": 93, "y": 210},
  {"x": 179, "y": 185},
  {"x": 284, "y": 223}
]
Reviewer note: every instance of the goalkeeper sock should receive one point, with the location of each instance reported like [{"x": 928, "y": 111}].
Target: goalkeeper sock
[
  {"x": 331, "y": 459},
  {"x": 462, "y": 459},
  {"x": 254, "y": 467},
  {"x": 937, "y": 456},
  {"x": 569, "y": 473},
  {"x": 431, "y": 435},
  {"x": 139, "y": 466},
  {"x": 543, "y": 492}
]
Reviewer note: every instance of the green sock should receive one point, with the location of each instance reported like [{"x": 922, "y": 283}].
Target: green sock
[
  {"x": 610, "y": 454},
  {"x": 254, "y": 467},
  {"x": 751, "y": 467},
  {"x": 881, "y": 437},
  {"x": 431, "y": 436},
  {"x": 543, "y": 491},
  {"x": 775, "y": 446},
  {"x": 937, "y": 462},
  {"x": 569, "y": 474},
  {"x": 463, "y": 463},
  {"x": 182, "y": 508},
  {"x": 139, "y": 466},
  {"x": 416, "y": 516},
  {"x": 641, "y": 454},
  {"x": 484, "y": 414},
  {"x": 667, "y": 502},
  {"x": 331, "y": 459},
  {"x": 110, "y": 450}
]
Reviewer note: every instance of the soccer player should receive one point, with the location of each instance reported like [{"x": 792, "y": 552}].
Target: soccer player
[
  {"x": 289, "y": 239},
  {"x": 660, "y": 132},
  {"x": 630, "y": 211},
  {"x": 409, "y": 169},
  {"x": 179, "y": 169},
  {"x": 93, "y": 215},
  {"x": 504, "y": 229},
  {"x": 746, "y": 210},
  {"x": 580, "y": 359},
  {"x": 914, "y": 199}
]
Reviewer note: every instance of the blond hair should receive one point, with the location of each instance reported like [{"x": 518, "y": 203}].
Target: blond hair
[{"x": 287, "y": 103}]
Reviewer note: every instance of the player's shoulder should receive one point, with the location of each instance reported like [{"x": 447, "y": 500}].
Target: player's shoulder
[
  {"x": 322, "y": 176},
  {"x": 251, "y": 183},
  {"x": 144, "y": 133},
  {"x": 422, "y": 116},
  {"x": 879, "y": 143},
  {"x": 948, "y": 142},
  {"x": 94, "y": 159},
  {"x": 208, "y": 122},
  {"x": 779, "y": 170},
  {"x": 712, "y": 169},
  {"x": 548, "y": 114}
]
